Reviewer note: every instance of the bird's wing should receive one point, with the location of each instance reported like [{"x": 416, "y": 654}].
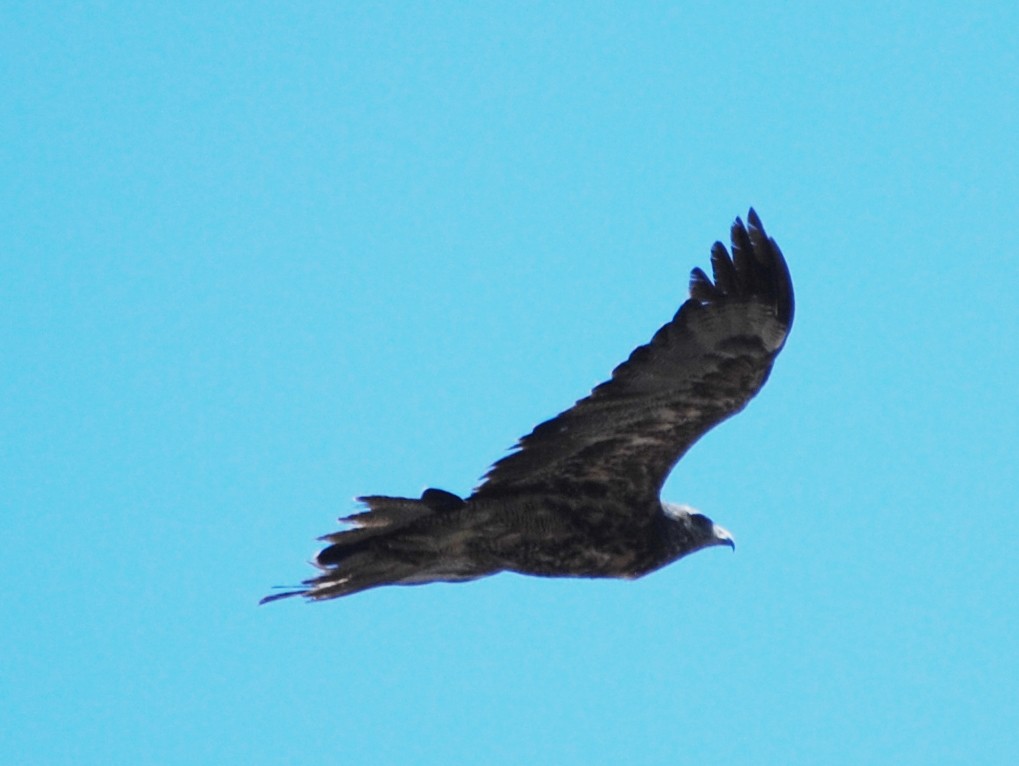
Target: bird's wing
[{"x": 699, "y": 369}]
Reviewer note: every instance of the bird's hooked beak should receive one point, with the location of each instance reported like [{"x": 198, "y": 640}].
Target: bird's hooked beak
[{"x": 723, "y": 537}]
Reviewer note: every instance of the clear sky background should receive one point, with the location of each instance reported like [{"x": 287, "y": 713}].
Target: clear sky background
[{"x": 260, "y": 258}]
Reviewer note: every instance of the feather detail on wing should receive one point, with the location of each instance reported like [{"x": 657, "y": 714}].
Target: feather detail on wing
[{"x": 697, "y": 370}]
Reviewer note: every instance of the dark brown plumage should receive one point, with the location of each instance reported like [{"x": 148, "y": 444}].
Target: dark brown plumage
[{"x": 579, "y": 495}]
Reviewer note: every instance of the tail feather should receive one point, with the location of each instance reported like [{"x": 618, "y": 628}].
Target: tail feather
[
  {"x": 384, "y": 516},
  {"x": 355, "y": 560}
]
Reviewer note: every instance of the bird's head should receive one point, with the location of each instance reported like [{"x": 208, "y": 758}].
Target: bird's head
[{"x": 698, "y": 529}]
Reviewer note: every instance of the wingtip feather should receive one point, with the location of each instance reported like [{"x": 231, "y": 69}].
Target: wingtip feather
[
  {"x": 755, "y": 267},
  {"x": 702, "y": 288}
]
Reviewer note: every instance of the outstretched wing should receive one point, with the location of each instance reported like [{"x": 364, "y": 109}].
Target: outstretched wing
[{"x": 699, "y": 369}]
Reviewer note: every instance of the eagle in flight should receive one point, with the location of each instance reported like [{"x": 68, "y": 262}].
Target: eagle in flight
[{"x": 579, "y": 495}]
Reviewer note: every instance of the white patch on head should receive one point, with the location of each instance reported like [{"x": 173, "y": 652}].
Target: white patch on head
[
  {"x": 723, "y": 535},
  {"x": 678, "y": 510},
  {"x": 682, "y": 513}
]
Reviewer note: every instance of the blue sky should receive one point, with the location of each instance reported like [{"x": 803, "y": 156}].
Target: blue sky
[{"x": 258, "y": 259}]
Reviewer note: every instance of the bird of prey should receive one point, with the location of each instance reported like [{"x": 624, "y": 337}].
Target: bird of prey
[{"x": 579, "y": 495}]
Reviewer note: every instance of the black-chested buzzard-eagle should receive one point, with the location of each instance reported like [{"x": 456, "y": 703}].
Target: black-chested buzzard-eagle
[{"x": 579, "y": 496}]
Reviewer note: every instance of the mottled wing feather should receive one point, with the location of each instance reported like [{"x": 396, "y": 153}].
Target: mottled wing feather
[{"x": 699, "y": 369}]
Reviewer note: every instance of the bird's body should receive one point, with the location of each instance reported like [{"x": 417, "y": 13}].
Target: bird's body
[{"x": 580, "y": 495}]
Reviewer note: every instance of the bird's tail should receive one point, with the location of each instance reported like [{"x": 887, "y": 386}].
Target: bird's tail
[{"x": 373, "y": 551}]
